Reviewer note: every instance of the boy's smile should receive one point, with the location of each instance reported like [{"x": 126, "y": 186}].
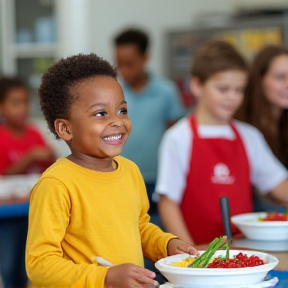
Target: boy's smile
[
  {"x": 98, "y": 123},
  {"x": 114, "y": 139}
]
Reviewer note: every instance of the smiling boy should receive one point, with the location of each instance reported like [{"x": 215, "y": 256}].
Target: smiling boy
[{"x": 94, "y": 202}]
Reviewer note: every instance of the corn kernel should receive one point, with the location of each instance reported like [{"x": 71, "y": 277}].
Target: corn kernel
[{"x": 184, "y": 263}]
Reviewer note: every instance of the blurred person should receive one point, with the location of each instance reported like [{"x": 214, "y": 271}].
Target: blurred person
[
  {"x": 209, "y": 155},
  {"x": 154, "y": 105},
  {"x": 22, "y": 148},
  {"x": 265, "y": 106},
  {"x": 22, "y": 151}
]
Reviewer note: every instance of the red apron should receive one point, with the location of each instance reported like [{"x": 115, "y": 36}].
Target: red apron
[{"x": 218, "y": 167}]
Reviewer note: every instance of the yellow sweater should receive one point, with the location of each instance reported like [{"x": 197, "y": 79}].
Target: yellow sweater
[{"x": 76, "y": 213}]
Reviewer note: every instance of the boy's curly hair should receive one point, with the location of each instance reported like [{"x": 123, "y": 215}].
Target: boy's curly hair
[{"x": 58, "y": 82}]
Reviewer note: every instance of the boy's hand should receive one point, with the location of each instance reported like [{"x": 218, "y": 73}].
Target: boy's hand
[
  {"x": 129, "y": 276},
  {"x": 177, "y": 246}
]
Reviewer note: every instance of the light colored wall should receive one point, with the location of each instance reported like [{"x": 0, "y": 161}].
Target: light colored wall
[
  {"x": 75, "y": 26},
  {"x": 156, "y": 16}
]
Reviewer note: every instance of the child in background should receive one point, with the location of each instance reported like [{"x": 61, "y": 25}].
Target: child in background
[
  {"x": 209, "y": 155},
  {"x": 22, "y": 151},
  {"x": 265, "y": 106},
  {"x": 94, "y": 202},
  {"x": 22, "y": 148}
]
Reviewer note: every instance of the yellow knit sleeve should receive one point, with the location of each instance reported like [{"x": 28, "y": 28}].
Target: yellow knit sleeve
[
  {"x": 154, "y": 240},
  {"x": 48, "y": 220}
]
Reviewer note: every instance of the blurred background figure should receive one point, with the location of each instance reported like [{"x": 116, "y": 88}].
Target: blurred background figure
[
  {"x": 22, "y": 148},
  {"x": 266, "y": 107},
  {"x": 22, "y": 151},
  {"x": 153, "y": 106}
]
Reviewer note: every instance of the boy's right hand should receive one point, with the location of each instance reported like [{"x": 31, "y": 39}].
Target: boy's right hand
[{"x": 129, "y": 276}]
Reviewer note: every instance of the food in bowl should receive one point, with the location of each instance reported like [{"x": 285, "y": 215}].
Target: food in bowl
[
  {"x": 207, "y": 259},
  {"x": 184, "y": 263},
  {"x": 274, "y": 217},
  {"x": 238, "y": 261}
]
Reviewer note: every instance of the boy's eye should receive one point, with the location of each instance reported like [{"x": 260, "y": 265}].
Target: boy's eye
[
  {"x": 100, "y": 114},
  {"x": 122, "y": 111}
]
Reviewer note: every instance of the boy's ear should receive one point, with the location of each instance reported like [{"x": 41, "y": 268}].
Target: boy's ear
[
  {"x": 195, "y": 86},
  {"x": 62, "y": 128}
]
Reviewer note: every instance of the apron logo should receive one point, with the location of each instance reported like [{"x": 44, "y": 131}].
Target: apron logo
[{"x": 221, "y": 174}]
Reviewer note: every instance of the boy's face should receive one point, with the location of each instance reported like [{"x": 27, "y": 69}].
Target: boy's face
[
  {"x": 15, "y": 107},
  {"x": 131, "y": 63},
  {"x": 98, "y": 121},
  {"x": 220, "y": 96}
]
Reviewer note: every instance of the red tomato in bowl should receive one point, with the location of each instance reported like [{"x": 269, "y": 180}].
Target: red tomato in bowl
[
  {"x": 239, "y": 261},
  {"x": 275, "y": 217}
]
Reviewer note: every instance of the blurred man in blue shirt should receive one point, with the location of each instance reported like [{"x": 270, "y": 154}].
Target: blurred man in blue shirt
[{"x": 153, "y": 105}]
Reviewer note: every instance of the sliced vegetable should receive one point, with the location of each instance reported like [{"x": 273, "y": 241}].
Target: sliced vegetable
[{"x": 203, "y": 260}]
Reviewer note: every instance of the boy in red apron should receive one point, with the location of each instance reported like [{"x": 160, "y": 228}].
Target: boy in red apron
[{"x": 207, "y": 155}]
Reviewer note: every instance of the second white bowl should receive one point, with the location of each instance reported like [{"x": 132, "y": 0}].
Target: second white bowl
[{"x": 253, "y": 229}]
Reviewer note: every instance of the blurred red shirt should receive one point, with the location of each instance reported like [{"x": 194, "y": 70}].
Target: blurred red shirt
[{"x": 13, "y": 148}]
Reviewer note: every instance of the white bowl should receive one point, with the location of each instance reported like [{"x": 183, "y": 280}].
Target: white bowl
[
  {"x": 218, "y": 276},
  {"x": 260, "y": 230}
]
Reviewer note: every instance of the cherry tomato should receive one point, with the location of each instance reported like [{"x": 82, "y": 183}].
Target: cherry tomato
[
  {"x": 275, "y": 217},
  {"x": 239, "y": 261}
]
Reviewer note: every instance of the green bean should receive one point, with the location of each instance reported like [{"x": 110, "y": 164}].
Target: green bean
[{"x": 203, "y": 260}]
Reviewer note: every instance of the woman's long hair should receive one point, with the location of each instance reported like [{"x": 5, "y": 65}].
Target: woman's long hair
[{"x": 256, "y": 109}]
